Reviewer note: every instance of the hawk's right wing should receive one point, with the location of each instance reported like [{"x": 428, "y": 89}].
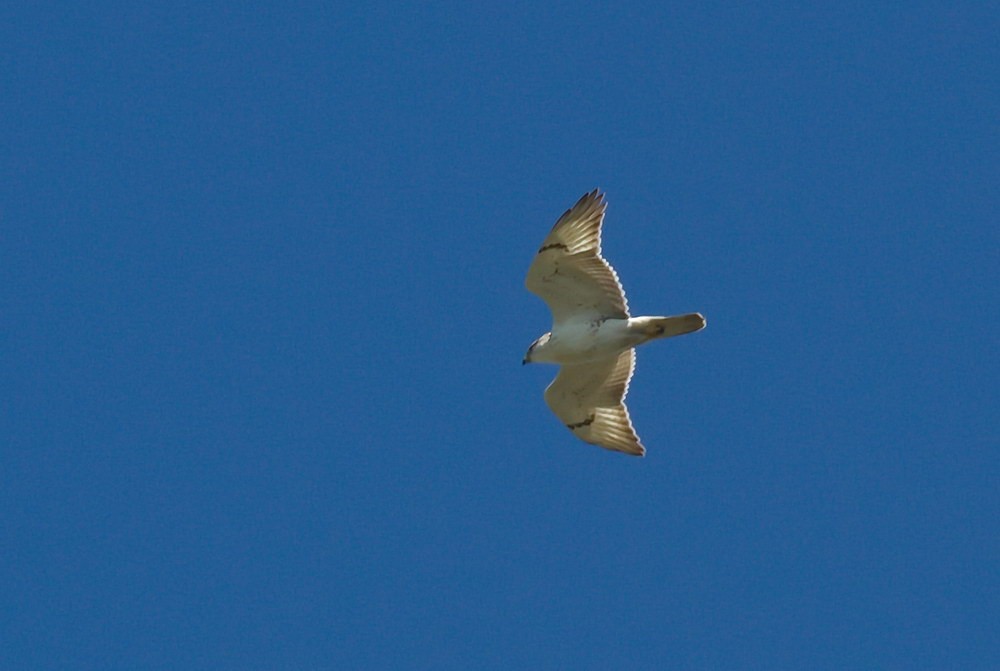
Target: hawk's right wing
[{"x": 589, "y": 398}]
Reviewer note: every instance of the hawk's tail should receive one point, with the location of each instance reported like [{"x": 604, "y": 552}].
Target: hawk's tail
[{"x": 667, "y": 327}]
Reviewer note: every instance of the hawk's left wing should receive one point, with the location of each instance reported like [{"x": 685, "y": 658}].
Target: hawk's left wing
[
  {"x": 589, "y": 398},
  {"x": 570, "y": 274}
]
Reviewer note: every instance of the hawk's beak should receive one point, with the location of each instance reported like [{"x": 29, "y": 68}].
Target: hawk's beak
[{"x": 524, "y": 361}]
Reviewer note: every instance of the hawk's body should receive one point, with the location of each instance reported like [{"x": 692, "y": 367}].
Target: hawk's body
[
  {"x": 584, "y": 340},
  {"x": 593, "y": 337}
]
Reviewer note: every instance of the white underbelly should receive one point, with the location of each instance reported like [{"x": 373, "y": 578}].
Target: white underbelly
[{"x": 579, "y": 342}]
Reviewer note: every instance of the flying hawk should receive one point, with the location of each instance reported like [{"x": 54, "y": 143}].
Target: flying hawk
[{"x": 593, "y": 337}]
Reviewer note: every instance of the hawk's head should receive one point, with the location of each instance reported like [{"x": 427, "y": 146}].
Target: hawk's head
[{"x": 538, "y": 343}]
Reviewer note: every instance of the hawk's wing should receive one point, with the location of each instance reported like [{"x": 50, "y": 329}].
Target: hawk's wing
[
  {"x": 570, "y": 274},
  {"x": 589, "y": 398}
]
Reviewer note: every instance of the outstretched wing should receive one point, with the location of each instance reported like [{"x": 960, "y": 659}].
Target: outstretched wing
[
  {"x": 570, "y": 274},
  {"x": 590, "y": 400}
]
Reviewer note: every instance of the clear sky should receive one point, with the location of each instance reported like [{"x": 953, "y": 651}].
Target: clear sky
[{"x": 263, "y": 315}]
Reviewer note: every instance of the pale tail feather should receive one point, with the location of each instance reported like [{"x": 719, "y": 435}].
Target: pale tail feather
[{"x": 666, "y": 327}]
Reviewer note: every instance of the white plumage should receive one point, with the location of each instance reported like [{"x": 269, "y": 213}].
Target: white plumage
[{"x": 593, "y": 337}]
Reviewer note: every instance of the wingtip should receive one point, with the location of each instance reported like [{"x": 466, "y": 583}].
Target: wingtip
[
  {"x": 595, "y": 195},
  {"x": 632, "y": 449}
]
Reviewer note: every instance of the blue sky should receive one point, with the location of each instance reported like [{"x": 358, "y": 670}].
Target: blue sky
[{"x": 261, "y": 285}]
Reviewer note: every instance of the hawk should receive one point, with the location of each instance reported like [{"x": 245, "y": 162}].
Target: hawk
[{"x": 593, "y": 338}]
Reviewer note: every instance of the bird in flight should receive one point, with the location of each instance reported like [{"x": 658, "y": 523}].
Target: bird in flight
[{"x": 593, "y": 338}]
